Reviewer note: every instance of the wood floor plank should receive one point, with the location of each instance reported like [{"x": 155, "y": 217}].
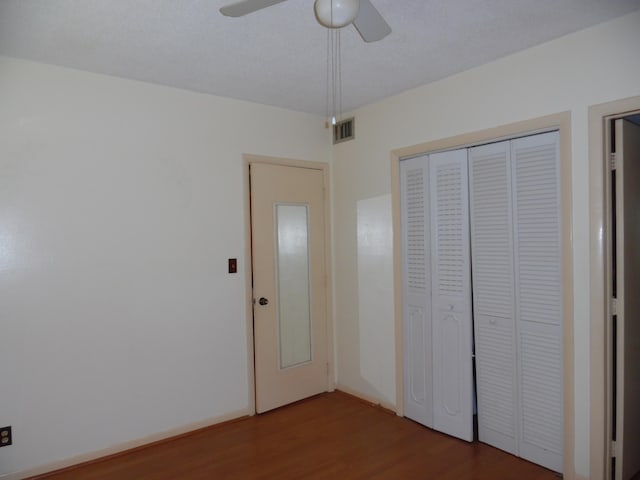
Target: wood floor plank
[{"x": 331, "y": 436}]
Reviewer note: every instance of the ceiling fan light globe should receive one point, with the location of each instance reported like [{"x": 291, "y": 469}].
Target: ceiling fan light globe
[{"x": 336, "y": 13}]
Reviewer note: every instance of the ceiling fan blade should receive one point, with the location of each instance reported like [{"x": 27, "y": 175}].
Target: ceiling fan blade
[
  {"x": 245, "y": 7},
  {"x": 370, "y": 24}
]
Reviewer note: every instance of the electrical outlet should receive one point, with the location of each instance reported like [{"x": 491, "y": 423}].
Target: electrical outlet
[{"x": 5, "y": 437}]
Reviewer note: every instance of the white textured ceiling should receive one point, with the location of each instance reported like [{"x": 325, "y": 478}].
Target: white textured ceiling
[{"x": 277, "y": 56}]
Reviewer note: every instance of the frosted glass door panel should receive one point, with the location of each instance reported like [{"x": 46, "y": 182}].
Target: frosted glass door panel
[{"x": 292, "y": 256}]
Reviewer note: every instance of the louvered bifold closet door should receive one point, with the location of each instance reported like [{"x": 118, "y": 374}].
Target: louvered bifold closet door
[
  {"x": 451, "y": 294},
  {"x": 493, "y": 294},
  {"x": 416, "y": 288},
  {"x": 538, "y": 288}
]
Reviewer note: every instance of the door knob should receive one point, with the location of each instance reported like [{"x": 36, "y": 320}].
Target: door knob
[{"x": 263, "y": 301}]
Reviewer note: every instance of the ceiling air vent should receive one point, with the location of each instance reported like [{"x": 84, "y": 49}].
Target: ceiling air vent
[{"x": 344, "y": 130}]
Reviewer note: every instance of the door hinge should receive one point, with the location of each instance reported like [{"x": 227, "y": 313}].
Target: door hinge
[
  {"x": 613, "y": 449},
  {"x": 612, "y": 160},
  {"x": 327, "y": 365},
  {"x": 614, "y": 306}
]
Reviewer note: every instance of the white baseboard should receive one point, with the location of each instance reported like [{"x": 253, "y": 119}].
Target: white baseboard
[{"x": 121, "y": 447}]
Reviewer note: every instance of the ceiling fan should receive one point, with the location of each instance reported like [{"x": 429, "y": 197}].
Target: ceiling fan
[{"x": 329, "y": 13}]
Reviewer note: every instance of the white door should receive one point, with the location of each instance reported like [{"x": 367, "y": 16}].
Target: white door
[
  {"x": 493, "y": 294},
  {"x": 416, "y": 290},
  {"x": 539, "y": 297},
  {"x": 517, "y": 279},
  {"x": 451, "y": 294},
  {"x": 518, "y": 298},
  {"x": 437, "y": 324},
  {"x": 627, "y": 146},
  {"x": 288, "y": 253}
]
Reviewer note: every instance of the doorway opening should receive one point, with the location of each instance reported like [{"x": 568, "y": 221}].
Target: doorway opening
[{"x": 621, "y": 316}]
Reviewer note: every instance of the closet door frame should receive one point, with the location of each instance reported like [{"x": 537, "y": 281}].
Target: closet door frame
[{"x": 562, "y": 123}]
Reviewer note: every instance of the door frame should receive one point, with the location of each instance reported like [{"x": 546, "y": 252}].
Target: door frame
[
  {"x": 562, "y": 123},
  {"x": 600, "y": 273},
  {"x": 248, "y": 160}
]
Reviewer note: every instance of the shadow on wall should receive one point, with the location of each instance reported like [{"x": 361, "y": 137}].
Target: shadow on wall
[{"x": 375, "y": 295}]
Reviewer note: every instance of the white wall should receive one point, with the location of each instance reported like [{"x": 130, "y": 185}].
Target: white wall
[
  {"x": 120, "y": 203},
  {"x": 596, "y": 65}
]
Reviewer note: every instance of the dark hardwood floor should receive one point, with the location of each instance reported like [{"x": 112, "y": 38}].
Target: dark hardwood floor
[{"x": 331, "y": 436}]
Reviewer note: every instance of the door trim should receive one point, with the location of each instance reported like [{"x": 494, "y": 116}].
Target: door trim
[
  {"x": 562, "y": 123},
  {"x": 599, "y": 267},
  {"x": 248, "y": 160}
]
